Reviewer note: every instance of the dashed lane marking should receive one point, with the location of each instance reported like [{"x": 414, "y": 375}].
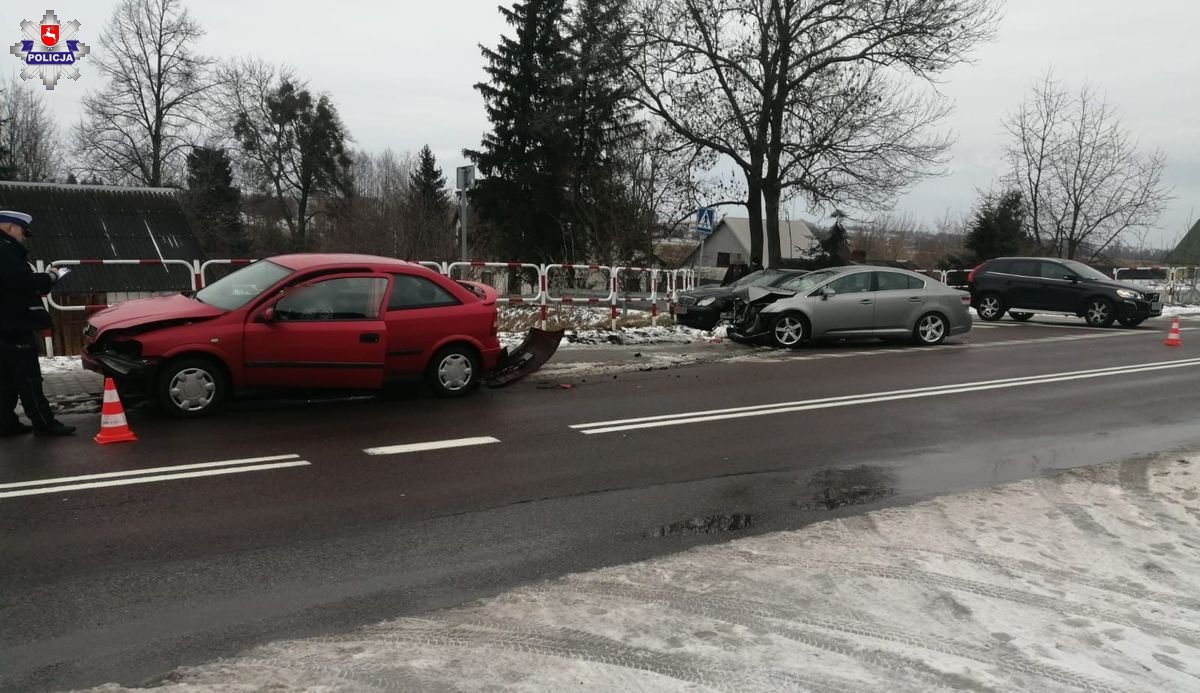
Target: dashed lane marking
[{"x": 433, "y": 445}]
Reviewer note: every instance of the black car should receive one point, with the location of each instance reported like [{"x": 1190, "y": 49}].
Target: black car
[
  {"x": 1024, "y": 285},
  {"x": 704, "y": 307}
]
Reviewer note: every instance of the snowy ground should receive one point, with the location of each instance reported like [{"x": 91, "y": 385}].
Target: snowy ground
[
  {"x": 1085, "y": 581},
  {"x": 1170, "y": 311},
  {"x": 60, "y": 364}
]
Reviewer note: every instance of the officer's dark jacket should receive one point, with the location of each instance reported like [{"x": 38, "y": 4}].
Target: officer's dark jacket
[{"x": 21, "y": 288}]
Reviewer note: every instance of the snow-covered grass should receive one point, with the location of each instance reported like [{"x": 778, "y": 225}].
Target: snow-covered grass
[
  {"x": 516, "y": 318},
  {"x": 589, "y": 325}
]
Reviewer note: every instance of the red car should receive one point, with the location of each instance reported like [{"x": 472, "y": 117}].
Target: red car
[{"x": 300, "y": 321}]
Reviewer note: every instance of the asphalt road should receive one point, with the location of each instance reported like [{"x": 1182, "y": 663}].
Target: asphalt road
[{"x": 107, "y": 582}]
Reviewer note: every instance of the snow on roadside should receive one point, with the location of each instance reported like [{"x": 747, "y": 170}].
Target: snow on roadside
[
  {"x": 60, "y": 364},
  {"x": 1082, "y": 581},
  {"x": 1172, "y": 311}
]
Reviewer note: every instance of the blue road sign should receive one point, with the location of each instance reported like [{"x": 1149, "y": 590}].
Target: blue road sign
[{"x": 705, "y": 218}]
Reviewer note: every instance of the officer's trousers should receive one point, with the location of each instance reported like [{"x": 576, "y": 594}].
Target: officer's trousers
[{"x": 21, "y": 377}]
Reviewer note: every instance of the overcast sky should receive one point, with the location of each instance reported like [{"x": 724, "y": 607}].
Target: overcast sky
[{"x": 401, "y": 73}]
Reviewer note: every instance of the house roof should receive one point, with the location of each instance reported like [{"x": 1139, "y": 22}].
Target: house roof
[
  {"x": 99, "y": 222},
  {"x": 1188, "y": 250},
  {"x": 795, "y": 236}
]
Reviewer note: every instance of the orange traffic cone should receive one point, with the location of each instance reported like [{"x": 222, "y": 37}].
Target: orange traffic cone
[
  {"x": 1173, "y": 336},
  {"x": 113, "y": 426}
]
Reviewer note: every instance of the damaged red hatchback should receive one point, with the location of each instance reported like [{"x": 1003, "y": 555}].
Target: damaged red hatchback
[{"x": 302, "y": 321}]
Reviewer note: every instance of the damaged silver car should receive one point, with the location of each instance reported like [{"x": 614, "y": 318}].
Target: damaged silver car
[{"x": 855, "y": 301}]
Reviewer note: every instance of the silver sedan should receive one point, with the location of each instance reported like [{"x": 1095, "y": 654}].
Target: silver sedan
[{"x": 855, "y": 301}]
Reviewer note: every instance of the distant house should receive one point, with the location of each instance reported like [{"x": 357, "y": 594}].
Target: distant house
[
  {"x": 94, "y": 222},
  {"x": 730, "y": 243},
  {"x": 1188, "y": 251}
]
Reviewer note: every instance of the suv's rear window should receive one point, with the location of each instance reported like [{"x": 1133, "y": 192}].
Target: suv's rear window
[{"x": 998, "y": 266}]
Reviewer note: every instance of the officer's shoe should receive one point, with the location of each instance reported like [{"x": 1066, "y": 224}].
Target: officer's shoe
[
  {"x": 15, "y": 428},
  {"x": 56, "y": 428}
]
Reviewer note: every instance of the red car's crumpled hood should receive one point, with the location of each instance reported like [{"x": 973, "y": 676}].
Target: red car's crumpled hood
[{"x": 151, "y": 310}]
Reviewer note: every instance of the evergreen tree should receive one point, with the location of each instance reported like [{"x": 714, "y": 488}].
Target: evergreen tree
[
  {"x": 996, "y": 230},
  {"x": 834, "y": 249},
  {"x": 524, "y": 160},
  {"x": 429, "y": 209},
  {"x": 602, "y": 125},
  {"x": 214, "y": 204},
  {"x": 428, "y": 183}
]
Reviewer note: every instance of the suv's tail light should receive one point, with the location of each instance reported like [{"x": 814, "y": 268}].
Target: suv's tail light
[{"x": 971, "y": 274}]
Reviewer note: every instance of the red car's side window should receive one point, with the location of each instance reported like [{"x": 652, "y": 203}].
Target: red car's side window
[
  {"x": 345, "y": 298},
  {"x": 410, "y": 292}
]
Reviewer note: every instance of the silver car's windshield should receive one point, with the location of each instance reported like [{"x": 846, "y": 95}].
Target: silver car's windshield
[
  {"x": 1085, "y": 271},
  {"x": 808, "y": 282},
  {"x": 239, "y": 288}
]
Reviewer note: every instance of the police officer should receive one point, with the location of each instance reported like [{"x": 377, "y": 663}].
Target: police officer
[{"x": 22, "y": 315}]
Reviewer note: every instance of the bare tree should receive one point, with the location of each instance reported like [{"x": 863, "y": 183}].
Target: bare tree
[
  {"x": 808, "y": 96},
  {"x": 378, "y": 222},
  {"x": 293, "y": 144},
  {"x": 1084, "y": 180},
  {"x": 29, "y": 150},
  {"x": 138, "y": 128}
]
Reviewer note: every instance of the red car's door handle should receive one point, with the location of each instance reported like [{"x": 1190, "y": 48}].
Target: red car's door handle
[{"x": 369, "y": 338}]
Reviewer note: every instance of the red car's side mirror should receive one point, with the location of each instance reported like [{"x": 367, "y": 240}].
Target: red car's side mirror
[{"x": 265, "y": 315}]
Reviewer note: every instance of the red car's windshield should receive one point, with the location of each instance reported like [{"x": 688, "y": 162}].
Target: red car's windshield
[{"x": 242, "y": 286}]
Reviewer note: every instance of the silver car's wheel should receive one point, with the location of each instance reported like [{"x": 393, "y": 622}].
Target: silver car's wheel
[
  {"x": 990, "y": 307},
  {"x": 931, "y": 329},
  {"x": 789, "y": 331},
  {"x": 1100, "y": 313},
  {"x": 191, "y": 387},
  {"x": 454, "y": 371}
]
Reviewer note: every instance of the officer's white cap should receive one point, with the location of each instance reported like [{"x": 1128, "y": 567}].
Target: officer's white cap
[{"x": 19, "y": 218}]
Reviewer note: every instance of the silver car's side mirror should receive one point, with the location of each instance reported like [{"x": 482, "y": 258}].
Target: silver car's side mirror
[{"x": 826, "y": 293}]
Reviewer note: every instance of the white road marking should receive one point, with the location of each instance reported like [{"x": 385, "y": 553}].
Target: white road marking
[
  {"x": 433, "y": 445},
  {"x": 152, "y": 470},
  {"x": 868, "y": 398},
  {"x": 152, "y": 479}
]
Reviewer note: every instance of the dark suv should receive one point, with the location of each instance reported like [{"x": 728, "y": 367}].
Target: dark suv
[{"x": 1024, "y": 285}]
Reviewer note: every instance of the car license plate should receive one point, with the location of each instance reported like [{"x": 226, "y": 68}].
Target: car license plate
[
  {"x": 680, "y": 310},
  {"x": 1157, "y": 305},
  {"x": 727, "y": 316}
]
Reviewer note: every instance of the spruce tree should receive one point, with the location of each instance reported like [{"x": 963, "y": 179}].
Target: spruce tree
[
  {"x": 996, "y": 230},
  {"x": 214, "y": 204},
  {"x": 602, "y": 125},
  {"x": 834, "y": 249},
  {"x": 524, "y": 160},
  {"x": 429, "y": 210},
  {"x": 428, "y": 183}
]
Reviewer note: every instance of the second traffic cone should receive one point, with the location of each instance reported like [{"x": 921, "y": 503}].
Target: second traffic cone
[
  {"x": 1173, "y": 336},
  {"x": 113, "y": 426}
]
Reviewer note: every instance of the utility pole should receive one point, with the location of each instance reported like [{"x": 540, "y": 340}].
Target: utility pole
[{"x": 465, "y": 180}]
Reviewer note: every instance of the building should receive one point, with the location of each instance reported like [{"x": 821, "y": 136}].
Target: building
[
  {"x": 95, "y": 222},
  {"x": 1187, "y": 253},
  {"x": 730, "y": 243}
]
